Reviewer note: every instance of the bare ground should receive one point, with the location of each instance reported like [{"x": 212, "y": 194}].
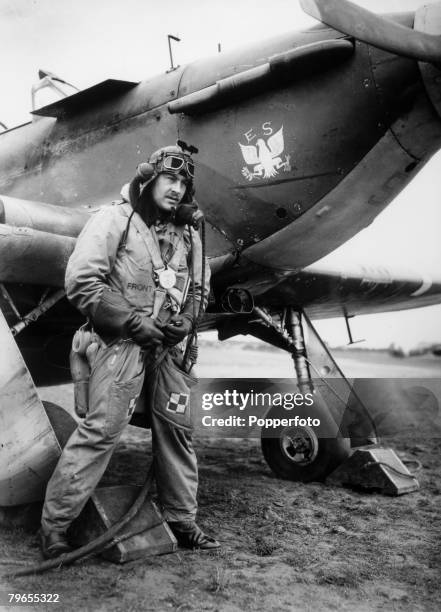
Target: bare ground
[{"x": 286, "y": 546}]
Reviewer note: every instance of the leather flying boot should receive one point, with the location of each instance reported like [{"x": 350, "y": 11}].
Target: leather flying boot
[
  {"x": 189, "y": 535},
  {"x": 53, "y": 544}
]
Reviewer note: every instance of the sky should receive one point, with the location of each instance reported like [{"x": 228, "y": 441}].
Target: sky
[{"x": 88, "y": 41}]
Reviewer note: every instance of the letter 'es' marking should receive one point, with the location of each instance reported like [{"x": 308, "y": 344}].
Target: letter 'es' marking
[{"x": 265, "y": 156}]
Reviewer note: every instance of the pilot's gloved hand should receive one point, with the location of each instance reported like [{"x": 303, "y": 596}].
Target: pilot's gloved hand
[
  {"x": 114, "y": 317},
  {"x": 177, "y": 328},
  {"x": 110, "y": 315},
  {"x": 144, "y": 330}
]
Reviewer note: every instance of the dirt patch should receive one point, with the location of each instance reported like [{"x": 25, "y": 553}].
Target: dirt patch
[{"x": 286, "y": 546}]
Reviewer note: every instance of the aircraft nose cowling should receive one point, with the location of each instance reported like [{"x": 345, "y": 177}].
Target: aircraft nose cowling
[
  {"x": 357, "y": 200},
  {"x": 428, "y": 20}
]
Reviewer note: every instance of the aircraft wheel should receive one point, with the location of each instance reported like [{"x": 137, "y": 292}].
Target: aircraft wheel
[{"x": 299, "y": 453}]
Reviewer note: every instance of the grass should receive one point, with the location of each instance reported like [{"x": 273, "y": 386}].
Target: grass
[{"x": 219, "y": 579}]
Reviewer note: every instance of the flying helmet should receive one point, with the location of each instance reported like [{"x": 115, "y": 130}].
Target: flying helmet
[{"x": 168, "y": 159}]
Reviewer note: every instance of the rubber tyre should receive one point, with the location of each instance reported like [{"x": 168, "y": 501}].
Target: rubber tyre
[{"x": 328, "y": 453}]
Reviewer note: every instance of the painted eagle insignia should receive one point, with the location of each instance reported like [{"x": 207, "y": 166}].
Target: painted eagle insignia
[{"x": 265, "y": 156}]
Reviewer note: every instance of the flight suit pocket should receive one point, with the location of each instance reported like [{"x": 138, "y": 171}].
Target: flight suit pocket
[
  {"x": 171, "y": 395},
  {"x": 123, "y": 397}
]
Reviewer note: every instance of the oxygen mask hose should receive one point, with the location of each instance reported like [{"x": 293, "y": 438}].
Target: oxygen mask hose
[
  {"x": 94, "y": 545},
  {"x": 191, "y": 349},
  {"x": 201, "y": 303}
]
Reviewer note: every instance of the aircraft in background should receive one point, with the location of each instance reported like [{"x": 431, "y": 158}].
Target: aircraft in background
[{"x": 303, "y": 140}]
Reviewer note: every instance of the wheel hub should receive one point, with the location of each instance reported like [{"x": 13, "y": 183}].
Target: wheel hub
[{"x": 299, "y": 445}]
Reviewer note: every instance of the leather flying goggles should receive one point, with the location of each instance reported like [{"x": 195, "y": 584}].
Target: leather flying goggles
[{"x": 175, "y": 163}]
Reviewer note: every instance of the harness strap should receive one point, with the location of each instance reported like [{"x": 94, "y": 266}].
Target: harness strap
[{"x": 151, "y": 241}]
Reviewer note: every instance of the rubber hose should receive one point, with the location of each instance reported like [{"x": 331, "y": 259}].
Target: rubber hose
[
  {"x": 201, "y": 303},
  {"x": 94, "y": 545}
]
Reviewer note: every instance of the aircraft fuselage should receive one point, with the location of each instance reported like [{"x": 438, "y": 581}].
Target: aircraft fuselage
[{"x": 326, "y": 121}]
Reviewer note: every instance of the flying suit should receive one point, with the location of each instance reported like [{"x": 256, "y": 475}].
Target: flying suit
[{"x": 120, "y": 367}]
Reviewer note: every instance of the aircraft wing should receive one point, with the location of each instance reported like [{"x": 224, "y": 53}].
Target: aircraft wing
[{"x": 326, "y": 290}]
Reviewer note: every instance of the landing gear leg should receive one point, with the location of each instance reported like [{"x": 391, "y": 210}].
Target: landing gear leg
[
  {"x": 294, "y": 327},
  {"x": 304, "y": 453}
]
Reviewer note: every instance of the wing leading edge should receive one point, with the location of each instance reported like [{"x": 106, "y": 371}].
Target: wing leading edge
[{"x": 329, "y": 291}]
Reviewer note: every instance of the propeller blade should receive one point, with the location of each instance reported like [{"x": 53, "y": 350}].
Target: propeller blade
[{"x": 375, "y": 29}]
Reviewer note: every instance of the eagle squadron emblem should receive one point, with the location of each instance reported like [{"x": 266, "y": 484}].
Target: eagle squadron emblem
[{"x": 265, "y": 157}]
